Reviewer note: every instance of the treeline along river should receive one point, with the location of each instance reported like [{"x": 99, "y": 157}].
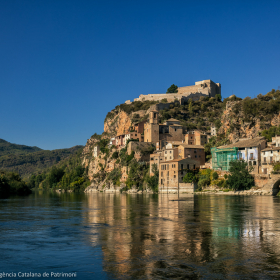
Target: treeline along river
[{"x": 132, "y": 236}]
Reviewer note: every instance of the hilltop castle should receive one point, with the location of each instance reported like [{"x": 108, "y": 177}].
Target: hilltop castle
[{"x": 201, "y": 88}]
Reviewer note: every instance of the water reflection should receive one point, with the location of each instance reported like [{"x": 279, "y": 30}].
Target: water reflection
[
  {"x": 161, "y": 236},
  {"x": 122, "y": 236}
]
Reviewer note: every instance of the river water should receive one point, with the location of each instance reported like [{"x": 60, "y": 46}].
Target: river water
[{"x": 132, "y": 236}]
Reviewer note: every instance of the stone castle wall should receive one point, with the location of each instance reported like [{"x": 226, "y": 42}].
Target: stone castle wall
[{"x": 201, "y": 88}]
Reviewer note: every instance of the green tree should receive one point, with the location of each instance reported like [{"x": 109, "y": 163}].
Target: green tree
[
  {"x": 240, "y": 177},
  {"x": 152, "y": 181},
  {"x": 189, "y": 177},
  {"x": 172, "y": 89},
  {"x": 215, "y": 175}
]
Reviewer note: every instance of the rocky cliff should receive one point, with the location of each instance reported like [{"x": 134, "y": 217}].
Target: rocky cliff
[{"x": 249, "y": 117}]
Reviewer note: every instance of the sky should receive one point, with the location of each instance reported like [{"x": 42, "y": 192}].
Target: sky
[{"x": 65, "y": 64}]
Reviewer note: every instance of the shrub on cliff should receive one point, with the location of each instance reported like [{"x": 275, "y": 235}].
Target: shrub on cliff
[
  {"x": 115, "y": 176},
  {"x": 240, "y": 177},
  {"x": 271, "y": 132}
]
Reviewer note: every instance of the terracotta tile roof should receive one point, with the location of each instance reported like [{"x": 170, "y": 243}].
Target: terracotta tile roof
[
  {"x": 192, "y": 146},
  {"x": 271, "y": 149},
  {"x": 172, "y": 120},
  {"x": 190, "y": 160},
  {"x": 245, "y": 143},
  {"x": 175, "y": 142}
]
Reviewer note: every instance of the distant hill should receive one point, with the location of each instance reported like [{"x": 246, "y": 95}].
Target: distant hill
[
  {"x": 26, "y": 160},
  {"x": 7, "y": 148}
]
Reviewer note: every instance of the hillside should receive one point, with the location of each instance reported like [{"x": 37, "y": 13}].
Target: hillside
[
  {"x": 7, "y": 148},
  {"x": 67, "y": 175},
  {"x": 26, "y": 160}
]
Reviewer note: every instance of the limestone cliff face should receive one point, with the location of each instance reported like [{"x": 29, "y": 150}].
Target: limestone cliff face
[
  {"x": 234, "y": 126},
  {"x": 119, "y": 124}
]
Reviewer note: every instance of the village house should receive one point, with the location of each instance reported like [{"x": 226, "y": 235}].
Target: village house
[
  {"x": 163, "y": 155},
  {"x": 196, "y": 137},
  {"x": 171, "y": 173},
  {"x": 132, "y": 135},
  {"x": 119, "y": 141},
  {"x": 275, "y": 142},
  {"x": 247, "y": 149},
  {"x": 192, "y": 151},
  {"x": 270, "y": 155}
]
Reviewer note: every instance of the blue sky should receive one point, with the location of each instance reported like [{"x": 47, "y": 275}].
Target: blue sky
[{"x": 65, "y": 64}]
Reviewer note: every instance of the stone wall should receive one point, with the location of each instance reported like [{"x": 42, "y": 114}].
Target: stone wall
[{"x": 201, "y": 88}]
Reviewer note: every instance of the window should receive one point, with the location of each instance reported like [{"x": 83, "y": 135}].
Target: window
[
  {"x": 264, "y": 159},
  {"x": 195, "y": 156},
  {"x": 165, "y": 152},
  {"x": 188, "y": 167},
  {"x": 174, "y": 176},
  {"x": 182, "y": 166},
  {"x": 194, "y": 166},
  {"x": 170, "y": 152},
  {"x": 169, "y": 157}
]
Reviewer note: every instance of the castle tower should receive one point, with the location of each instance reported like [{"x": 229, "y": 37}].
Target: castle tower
[
  {"x": 151, "y": 129},
  {"x": 153, "y": 117}
]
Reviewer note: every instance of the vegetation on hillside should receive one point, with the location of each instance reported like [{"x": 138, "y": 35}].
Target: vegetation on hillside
[
  {"x": 7, "y": 148},
  {"x": 27, "y": 163},
  {"x": 271, "y": 132},
  {"x": 12, "y": 184},
  {"x": 69, "y": 174}
]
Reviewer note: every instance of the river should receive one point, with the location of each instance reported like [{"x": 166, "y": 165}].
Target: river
[{"x": 132, "y": 236}]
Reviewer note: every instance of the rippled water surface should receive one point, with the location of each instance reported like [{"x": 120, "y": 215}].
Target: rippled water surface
[{"x": 122, "y": 236}]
